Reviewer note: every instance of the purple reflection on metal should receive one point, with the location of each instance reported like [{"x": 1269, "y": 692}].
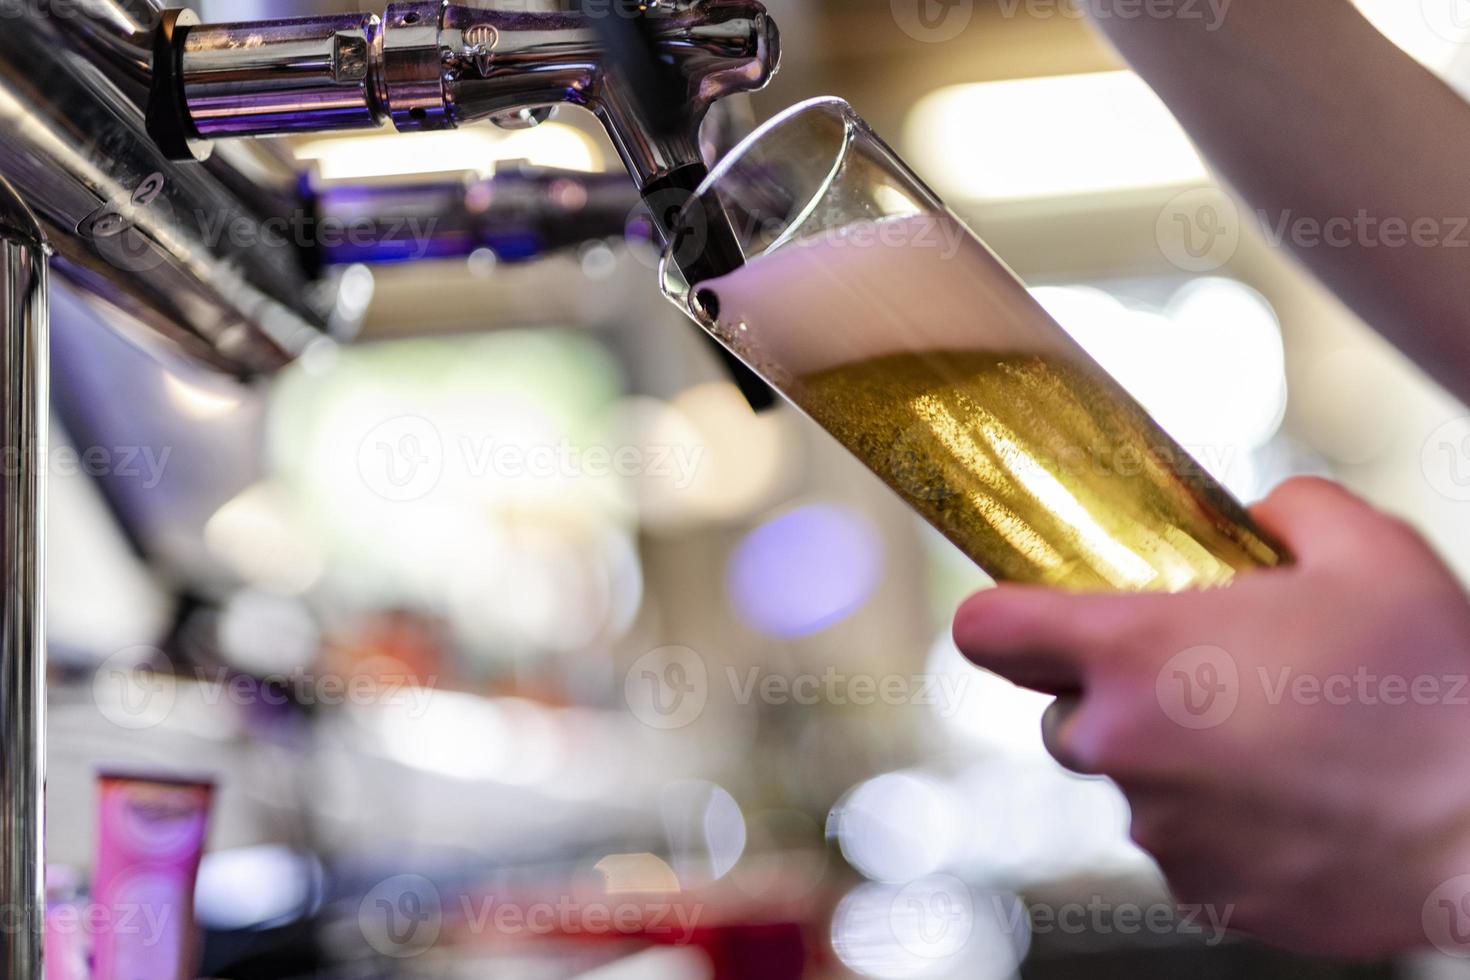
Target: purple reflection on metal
[
  {"x": 805, "y": 570},
  {"x": 521, "y": 213}
]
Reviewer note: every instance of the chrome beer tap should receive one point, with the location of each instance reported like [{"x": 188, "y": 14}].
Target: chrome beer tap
[
  {"x": 431, "y": 65},
  {"x": 649, "y": 70}
]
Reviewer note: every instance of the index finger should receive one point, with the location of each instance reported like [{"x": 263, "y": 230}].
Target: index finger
[{"x": 1040, "y": 638}]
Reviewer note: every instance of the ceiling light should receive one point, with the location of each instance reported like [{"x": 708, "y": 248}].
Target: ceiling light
[
  {"x": 475, "y": 148},
  {"x": 1049, "y": 137}
]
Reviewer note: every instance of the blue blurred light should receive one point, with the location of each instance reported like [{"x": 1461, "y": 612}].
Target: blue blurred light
[
  {"x": 805, "y": 570},
  {"x": 257, "y": 888}
]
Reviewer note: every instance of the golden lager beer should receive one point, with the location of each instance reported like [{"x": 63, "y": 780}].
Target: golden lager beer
[
  {"x": 908, "y": 341},
  {"x": 1040, "y": 469}
]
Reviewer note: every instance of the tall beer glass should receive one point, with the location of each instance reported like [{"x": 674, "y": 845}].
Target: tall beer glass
[{"x": 816, "y": 256}]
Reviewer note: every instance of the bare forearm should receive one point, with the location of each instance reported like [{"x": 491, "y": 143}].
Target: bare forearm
[{"x": 1315, "y": 117}]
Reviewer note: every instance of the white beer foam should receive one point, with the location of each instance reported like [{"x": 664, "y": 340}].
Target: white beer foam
[{"x": 897, "y": 285}]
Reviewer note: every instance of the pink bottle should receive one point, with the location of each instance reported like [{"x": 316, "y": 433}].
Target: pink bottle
[{"x": 150, "y": 838}]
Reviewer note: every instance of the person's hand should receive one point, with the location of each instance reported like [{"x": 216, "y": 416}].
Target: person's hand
[{"x": 1295, "y": 747}]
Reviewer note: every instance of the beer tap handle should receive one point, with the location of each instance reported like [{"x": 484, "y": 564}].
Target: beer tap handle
[
  {"x": 632, "y": 53},
  {"x": 656, "y": 91}
]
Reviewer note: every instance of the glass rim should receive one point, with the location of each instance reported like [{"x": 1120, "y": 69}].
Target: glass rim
[{"x": 732, "y": 159}]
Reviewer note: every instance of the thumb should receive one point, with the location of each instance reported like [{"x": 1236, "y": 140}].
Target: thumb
[
  {"x": 1041, "y": 638},
  {"x": 1313, "y": 517}
]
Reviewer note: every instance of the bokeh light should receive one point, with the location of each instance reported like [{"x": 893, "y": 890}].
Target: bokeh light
[
  {"x": 256, "y": 887},
  {"x": 933, "y": 927},
  {"x": 706, "y": 830},
  {"x": 898, "y": 826},
  {"x": 805, "y": 569}
]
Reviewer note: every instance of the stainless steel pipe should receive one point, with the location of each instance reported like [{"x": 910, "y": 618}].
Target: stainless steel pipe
[
  {"x": 307, "y": 75},
  {"x": 23, "y": 401},
  {"x": 174, "y": 251},
  {"x": 520, "y": 214}
]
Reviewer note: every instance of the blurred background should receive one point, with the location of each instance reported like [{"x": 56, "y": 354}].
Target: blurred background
[{"x": 512, "y": 617}]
